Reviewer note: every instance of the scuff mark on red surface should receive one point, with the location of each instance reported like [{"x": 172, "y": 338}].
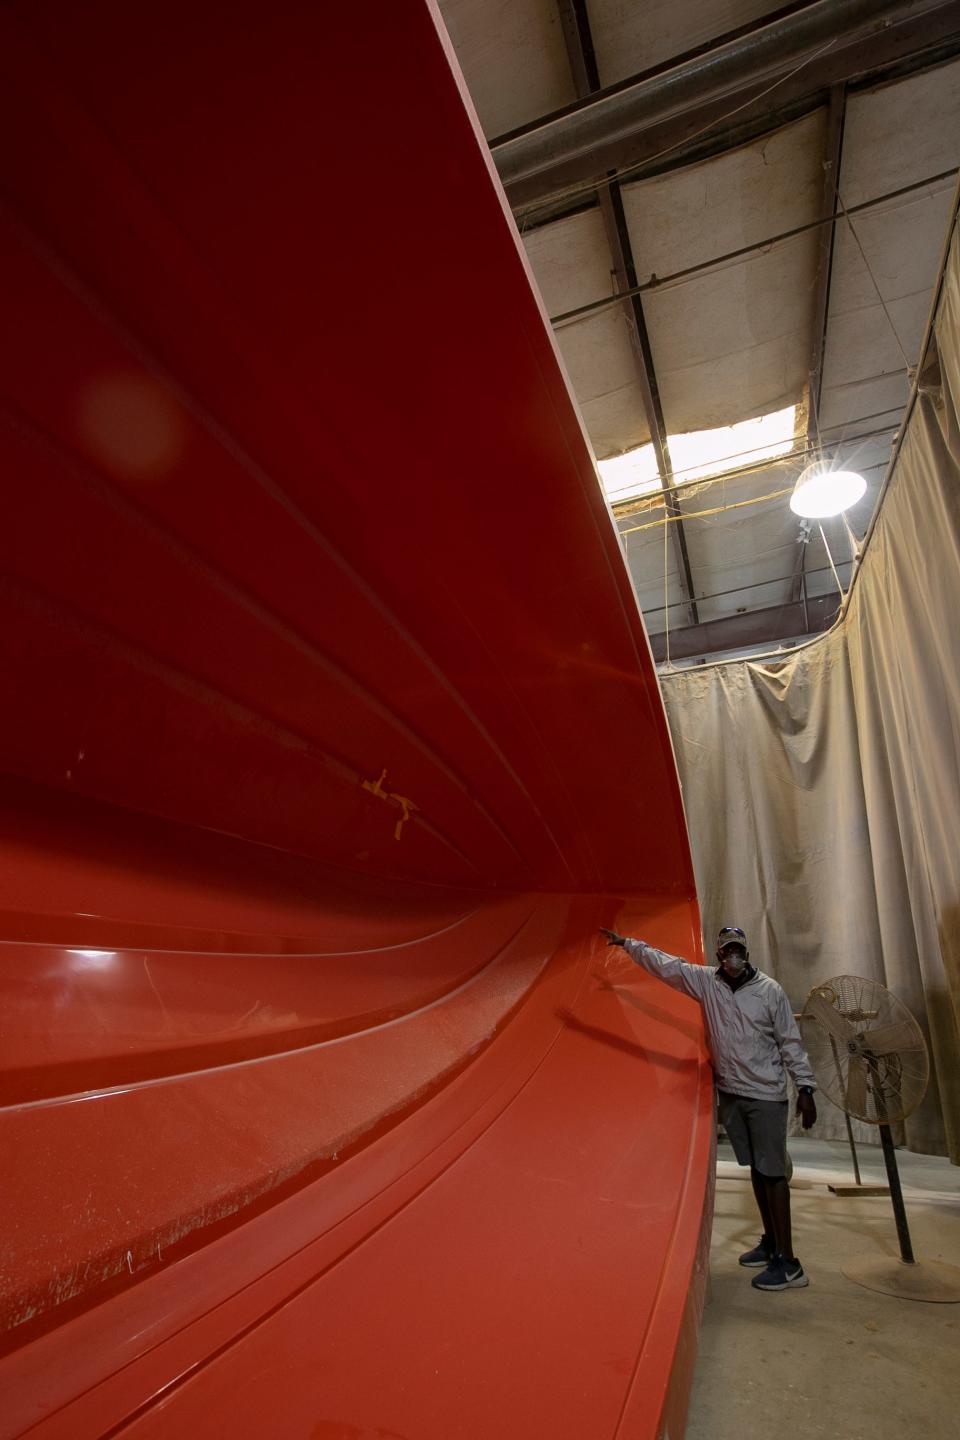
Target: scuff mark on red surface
[{"x": 407, "y": 807}]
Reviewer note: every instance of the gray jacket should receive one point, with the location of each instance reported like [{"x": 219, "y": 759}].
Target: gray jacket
[{"x": 751, "y": 1030}]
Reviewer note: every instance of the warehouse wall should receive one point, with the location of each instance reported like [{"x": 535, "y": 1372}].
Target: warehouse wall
[{"x": 823, "y": 791}]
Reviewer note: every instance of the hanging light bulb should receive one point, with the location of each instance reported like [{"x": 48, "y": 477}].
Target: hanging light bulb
[{"x": 820, "y": 491}]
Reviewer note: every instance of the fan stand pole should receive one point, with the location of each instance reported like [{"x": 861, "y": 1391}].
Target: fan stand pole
[
  {"x": 846, "y": 1189},
  {"x": 843, "y": 1189},
  {"x": 906, "y": 1278},
  {"x": 896, "y": 1195},
  {"x": 853, "y": 1149}
]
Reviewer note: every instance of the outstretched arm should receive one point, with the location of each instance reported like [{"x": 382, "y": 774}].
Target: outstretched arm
[{"x": 677, "y": 973}]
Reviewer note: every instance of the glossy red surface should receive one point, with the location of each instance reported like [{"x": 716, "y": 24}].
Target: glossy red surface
[{"x": 331, "y": 736}]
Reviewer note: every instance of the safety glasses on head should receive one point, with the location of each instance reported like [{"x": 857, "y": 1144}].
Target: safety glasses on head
[{"x": 731, "y": 935}]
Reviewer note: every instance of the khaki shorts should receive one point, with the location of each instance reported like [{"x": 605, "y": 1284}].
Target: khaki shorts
[{"x": 757, "y": 1130}]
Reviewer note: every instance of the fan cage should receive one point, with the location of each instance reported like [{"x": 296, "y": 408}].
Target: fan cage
[{"x": 866, "y": 1049}]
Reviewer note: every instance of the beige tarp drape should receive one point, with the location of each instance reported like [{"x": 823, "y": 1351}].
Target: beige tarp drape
[{"x": 823, "y": 791}]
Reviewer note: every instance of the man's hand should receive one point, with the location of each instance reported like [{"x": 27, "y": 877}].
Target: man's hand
[
  {"x": 806, "y": 1109},
  {"x": 612, "y": 937}
]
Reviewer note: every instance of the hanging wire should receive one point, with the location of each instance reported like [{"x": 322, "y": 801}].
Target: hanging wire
[
  {"x": 733, "y": 257},
  {"x": 873, "y": 280},
  {"x": 655, "y": 501},
  {"x": 687, "y": 488},
  {"x": 699, "y": 514},
  {"x": 832, "y": 566},
  {"x": 665, "y": 520}
]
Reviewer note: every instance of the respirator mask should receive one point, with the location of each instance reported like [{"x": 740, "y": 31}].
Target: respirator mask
[{"x": 733, "y": 960}]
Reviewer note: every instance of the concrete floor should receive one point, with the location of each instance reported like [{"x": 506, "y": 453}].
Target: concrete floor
[{"x": 833, "y": 1361}]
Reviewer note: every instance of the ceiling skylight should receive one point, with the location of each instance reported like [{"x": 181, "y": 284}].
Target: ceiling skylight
[
  {"x": 710, "y": 452},
  {"x": 700, "y": 453},
  {"x": 633, "y": 473}
]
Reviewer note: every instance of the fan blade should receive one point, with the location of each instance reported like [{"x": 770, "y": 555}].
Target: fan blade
[
  {"x": 892, "y": 1039},
  {"x": 856, "y": 1096},
  {"x": 820, "y": 1008}
]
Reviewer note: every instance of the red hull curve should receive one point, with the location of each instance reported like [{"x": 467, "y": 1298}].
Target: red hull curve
[{"x": 331, "y": 735}]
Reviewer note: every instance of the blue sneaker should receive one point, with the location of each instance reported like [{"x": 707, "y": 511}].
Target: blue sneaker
[
  {"x": 781, "y": 1274},
  {"x": 761, "y": 1254}
]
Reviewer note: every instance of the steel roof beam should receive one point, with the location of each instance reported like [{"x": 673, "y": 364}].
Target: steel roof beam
[
  {"x": 832, "y": 155},
  {"x": 753, "y": 627},
  {"x": 583, "y": 66},
  {"x": 611, "y": 204},
  {"x": 753, "y": 585},
  {"x": 802, "y": 54},
  {"x": 833, "y": 150}
]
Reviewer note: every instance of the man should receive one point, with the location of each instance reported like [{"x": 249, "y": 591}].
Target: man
[{"x": 753, "y": 1039}]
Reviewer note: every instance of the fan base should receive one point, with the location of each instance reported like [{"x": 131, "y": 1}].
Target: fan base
[
  {"x": 860, "y": 1189},
  {"x": 931, "y": 1280}
]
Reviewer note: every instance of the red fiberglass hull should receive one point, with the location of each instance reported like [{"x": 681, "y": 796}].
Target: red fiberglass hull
[{"x": 330, "y": 737}]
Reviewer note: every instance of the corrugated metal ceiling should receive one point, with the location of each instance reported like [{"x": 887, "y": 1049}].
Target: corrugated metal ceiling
[{"x": 740, "y": 338}]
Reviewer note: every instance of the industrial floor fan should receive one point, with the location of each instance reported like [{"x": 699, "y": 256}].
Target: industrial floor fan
[{"x": 870, "y": 1059}]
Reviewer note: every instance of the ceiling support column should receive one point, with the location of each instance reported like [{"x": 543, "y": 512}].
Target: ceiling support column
[
  {"x": 580, "y": 53},
  {"x": 832, "y": 155},
  {"x": 833, "y": 150}
]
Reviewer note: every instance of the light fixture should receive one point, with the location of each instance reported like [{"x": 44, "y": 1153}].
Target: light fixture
[{"x": 821, "y": 492}]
